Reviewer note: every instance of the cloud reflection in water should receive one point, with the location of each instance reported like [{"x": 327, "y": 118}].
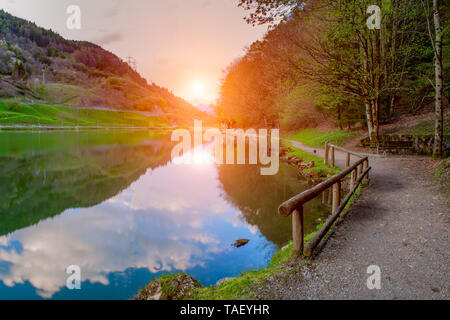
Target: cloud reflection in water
[{"x": 172, "y": 218}]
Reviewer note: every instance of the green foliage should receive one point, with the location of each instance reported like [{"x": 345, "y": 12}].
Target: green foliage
[
  {"x": 12, "y": 105},
  {"x": 322, "y": 54},
  {"x": 426, "y": 128},
  {"x": 315, "y": 138},
  {"x": 319, "y": 169},
  {"x": 442, "y": 174},
  {"x": 42, "y": 58},
  {"x": 170, "y": 285},
  {"x": 114, "y": 83},
  {"x": 19, "y": 72},
  {"x": 41, "y": 90}
]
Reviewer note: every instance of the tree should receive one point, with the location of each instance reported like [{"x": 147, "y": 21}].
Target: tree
[
  {"x": 329, "y": 43},
  {"x": 436, "y": 41},
  {"x": 19, "y": 72},
  {"x": 271, "y": 11}
]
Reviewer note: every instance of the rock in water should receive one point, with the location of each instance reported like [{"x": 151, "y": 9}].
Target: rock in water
[{"x": 240, "y": 243}]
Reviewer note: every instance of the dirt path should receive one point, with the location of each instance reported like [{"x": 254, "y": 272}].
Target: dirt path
[{"x": 400, "y": 223}]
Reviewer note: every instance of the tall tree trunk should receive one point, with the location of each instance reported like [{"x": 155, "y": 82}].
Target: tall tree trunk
[
  {"x": 375, "y": 118},
  {"x": 393, "y": 56},
  {"x": 372, "y": 119},
  {"x": 439, "y": 127},
  {"x": 378, "y": 78}
]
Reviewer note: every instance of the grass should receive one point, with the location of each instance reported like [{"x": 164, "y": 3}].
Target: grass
[
  {"x": 315, "y": 138},
  {"x": 57, "y": 93},
  {"x": 426, "y": 128},
  {"x": 442, "y": 174},
  {"x": 241, "y": 287},
  {"x": 16, "y": 113},
  {"x": 168, "y": 284},
  {"x": 320, "y": 169}
]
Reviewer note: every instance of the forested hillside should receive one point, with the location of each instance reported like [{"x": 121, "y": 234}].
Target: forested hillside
[
  {"x": 76, "y": 73},
  {"x": 321, "y": 62}
]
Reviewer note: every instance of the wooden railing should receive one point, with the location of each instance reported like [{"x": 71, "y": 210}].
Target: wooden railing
[{"x": 294, "y": 206}]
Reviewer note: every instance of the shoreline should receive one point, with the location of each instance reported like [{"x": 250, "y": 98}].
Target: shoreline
[
  {"x": 32, "y": 128},
  {"x": 245, "y": 286}
]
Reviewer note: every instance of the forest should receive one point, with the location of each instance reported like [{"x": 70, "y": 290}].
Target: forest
[{"x": 322, "y": 61}]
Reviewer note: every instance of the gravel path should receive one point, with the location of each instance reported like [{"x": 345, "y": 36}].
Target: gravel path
[{"x": 400, "y": 223}]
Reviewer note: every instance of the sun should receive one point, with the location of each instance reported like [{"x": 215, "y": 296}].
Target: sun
[{"x": 198, "y": 89}]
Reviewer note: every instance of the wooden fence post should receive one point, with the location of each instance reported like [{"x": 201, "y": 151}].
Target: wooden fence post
[
  {"x": 332, "y": 157},
  {"x": 336, "y": 196},
  {"x": 325, "y": 197},
  {"x": 347, "y": 162},
  {"x": 366, "y": 166},
  {"x": 352, "y": 180},
  {"x": 297, "y": 230},
  {"x": 327, "y": 150},
  {"x": 361, "y": 170}
]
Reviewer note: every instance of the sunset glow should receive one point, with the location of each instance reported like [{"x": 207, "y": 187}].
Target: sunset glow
[
  {"x": 192, "y": 40},
  {"x": 198, "y": 89}
]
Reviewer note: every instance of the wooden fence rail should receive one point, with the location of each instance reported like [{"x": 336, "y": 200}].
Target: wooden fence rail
[{"x": 294, "y": 206}]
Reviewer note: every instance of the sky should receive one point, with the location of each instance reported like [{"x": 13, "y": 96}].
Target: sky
[{"x": 183, "y": 45}]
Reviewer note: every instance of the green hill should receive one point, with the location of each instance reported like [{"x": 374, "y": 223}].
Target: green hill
[{"x": 77, "y": 73}]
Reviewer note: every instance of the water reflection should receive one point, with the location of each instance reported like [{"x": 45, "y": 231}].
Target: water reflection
[{"x": 125, "y": 213}]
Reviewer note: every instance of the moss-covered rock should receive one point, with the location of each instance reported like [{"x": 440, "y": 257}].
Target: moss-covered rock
[{"x": 169, "y": 287}]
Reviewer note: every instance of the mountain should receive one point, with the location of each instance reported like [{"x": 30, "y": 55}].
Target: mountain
[{"x": 77, "y": 73}]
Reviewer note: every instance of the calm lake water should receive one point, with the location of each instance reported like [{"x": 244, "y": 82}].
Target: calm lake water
[{"x": 115, "y": 204}]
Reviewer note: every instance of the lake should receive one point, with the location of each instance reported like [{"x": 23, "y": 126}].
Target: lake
[{"x": 117, "y": 206}]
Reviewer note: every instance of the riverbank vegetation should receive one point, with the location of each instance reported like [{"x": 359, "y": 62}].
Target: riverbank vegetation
[
  {"x": 426, "y": 128},
  {"x": 442, "y": 174},
  {"x": 318, "y": 169}
]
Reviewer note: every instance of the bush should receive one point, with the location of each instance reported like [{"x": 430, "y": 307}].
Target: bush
[
  {"x": 13, "y": 105},
  {"x": 41, "y": 90},
  {"x": 114, "y": 83},
  {"x": 98, "y": 74}
]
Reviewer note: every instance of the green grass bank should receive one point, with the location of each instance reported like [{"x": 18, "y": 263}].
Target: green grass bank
[
  {"x": 315, "y": 138},
  {"x": 13, "y": 112}
]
